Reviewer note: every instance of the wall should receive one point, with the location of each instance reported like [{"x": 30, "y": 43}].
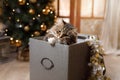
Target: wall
[{"x": 91, "y": 26}]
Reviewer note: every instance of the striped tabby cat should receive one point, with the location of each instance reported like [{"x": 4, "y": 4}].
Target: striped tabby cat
[{"x": 61, "y": 32}]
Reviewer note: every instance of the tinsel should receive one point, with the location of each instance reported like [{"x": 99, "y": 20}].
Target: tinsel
[{"x": 96, "y": 64}]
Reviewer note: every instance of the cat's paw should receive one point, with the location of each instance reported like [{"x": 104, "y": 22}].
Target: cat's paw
[{"x": 52, "y": 41}]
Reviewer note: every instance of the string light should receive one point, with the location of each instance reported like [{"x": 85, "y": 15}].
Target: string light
[
  {"x": 27, "y": 4},
  {"x": 33, "y": 18},
  {"x": 13, "y": 10},
  {"x": 11, "y": 38},
  {"x": 38, "y": 15}
]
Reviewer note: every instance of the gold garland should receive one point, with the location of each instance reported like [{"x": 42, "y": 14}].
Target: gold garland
[{"x": 96, "y": 64}]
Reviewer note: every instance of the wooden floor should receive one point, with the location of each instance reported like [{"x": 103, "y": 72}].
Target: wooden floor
[
  {"x": 112, "y": 63},
  {"x": 14, "y": 70},
  {"x": 17, "y": 70}
]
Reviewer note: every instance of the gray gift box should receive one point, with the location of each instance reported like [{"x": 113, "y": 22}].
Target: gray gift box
[{"x": 61, "y": 62}]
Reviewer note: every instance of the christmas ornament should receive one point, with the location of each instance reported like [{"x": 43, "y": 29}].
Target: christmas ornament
[
  {"x": 43, "y": 27},
  {"x": 96, "y": 63},
  {"x": 31, "y": 11},
  {"x": 26, "y": 28},
  {"x": 36, "y": 33},
  {"x": 32, "y": 1},
  {"x": 18, "y": 43},
  {"x": 22, "y": 2},
  {"x": 46, "y": 10}
]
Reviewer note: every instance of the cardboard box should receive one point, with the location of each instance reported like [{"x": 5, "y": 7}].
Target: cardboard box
[{"x": 62, "y": 62}]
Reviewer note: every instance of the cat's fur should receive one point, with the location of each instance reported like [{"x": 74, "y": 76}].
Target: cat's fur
[{"x": 61, "y": 32}]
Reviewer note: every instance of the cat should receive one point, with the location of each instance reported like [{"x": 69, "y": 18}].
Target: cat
[{"x": 61, "y": 32}]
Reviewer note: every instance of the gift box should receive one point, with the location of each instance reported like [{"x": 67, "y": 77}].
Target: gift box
[{"x": 61, "y": 62}]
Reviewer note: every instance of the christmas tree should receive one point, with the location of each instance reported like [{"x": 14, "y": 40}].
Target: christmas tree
[{"x": 27, "y": 18}]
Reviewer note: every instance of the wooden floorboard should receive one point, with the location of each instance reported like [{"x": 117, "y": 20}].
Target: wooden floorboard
[
  {"x": 18, "y": 70},
  {"x": 14, "y": 70}
]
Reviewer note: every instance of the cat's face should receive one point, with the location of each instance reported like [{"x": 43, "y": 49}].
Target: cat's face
[{"x": 56, "y": 29}]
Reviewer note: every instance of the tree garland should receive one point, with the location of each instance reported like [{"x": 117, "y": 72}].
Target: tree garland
[{"x": 96, "y": 64}]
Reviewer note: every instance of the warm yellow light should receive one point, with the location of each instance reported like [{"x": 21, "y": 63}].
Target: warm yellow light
[
  {"x": 33, "y": 18},
  {"x": 38, "y": 15},
  {"x": 11, "y": 38},
  {"x": 6, "y": 30},
  {"x": 16, "y": 40},
  {"x": 18, "y": 20},
  {"x": 32, "y": 35}
]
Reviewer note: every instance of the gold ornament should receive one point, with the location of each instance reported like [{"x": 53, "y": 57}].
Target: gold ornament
[
  {"x": 31, "y": 11},
  {"x": 26, "y": 28},
  {"x": 46, "y": 10},
  {"x": 32, "y": 1},
  {"x": 36, "y": 33},
  {"x": 43, "y": 27},
  {"x": 22, "y": 2},
  {"x": 18, "y": 43}
]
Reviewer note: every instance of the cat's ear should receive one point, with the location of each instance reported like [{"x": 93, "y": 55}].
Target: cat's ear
[{"x": 63, "y": 21}]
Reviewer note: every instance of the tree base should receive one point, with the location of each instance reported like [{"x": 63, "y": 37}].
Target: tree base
[{"x": 23, "y": 54}]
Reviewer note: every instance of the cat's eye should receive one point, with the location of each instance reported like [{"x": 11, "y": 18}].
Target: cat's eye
[{"x": 58, "y": 31}]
